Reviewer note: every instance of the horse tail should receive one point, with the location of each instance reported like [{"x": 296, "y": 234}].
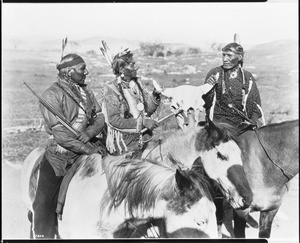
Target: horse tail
[{"x": 30, "y": 168}]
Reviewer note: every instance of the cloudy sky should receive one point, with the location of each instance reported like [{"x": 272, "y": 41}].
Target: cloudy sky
[{"x": 189, "y": 23}]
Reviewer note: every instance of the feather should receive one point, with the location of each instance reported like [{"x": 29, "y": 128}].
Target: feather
[
  {"x": 107, "y": 50},
  {"x": 64, "y": 43}
]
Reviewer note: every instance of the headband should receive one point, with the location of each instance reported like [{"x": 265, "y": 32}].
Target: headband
[
  {"x": 235, "y": 48},
  {"x": 75, "y": 61}
]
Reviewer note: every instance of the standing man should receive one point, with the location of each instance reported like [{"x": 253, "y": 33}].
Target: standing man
[
  {"x": 127, "y": 107},
  {"x": 235, "y": 88},
  {"x": 74, "y": 100}
]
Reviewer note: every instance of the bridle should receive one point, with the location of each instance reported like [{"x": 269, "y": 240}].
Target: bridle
[{"x": 284, "y": 172}]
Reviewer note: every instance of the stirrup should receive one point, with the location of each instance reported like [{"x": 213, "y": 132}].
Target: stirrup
[{"x": 59, "y": 216}]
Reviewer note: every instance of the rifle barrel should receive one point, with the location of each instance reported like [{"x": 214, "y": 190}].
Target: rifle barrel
[{"x": 58, "y": 116}]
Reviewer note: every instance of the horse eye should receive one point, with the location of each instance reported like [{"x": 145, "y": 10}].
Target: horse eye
[{"x": 222, "y": 157}]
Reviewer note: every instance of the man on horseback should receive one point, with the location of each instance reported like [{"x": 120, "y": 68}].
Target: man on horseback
[
  {"x": 127, "y": 107},
  {"x": 235, "y": 99},
  {"x": 73, "y": 99},
  {"x": 235, "y": 96}
]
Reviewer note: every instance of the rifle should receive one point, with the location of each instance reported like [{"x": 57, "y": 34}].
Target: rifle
[
  {"x": 241, "y": 114},
  {"x": 57, "y": 115},
  {"x": 163, "y": 119}
]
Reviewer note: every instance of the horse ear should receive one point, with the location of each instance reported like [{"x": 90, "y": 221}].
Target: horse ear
[
  {"x": 182, "y": 180},
  {"x": 209, "y": 122},
  {"x": 212, "y": 126}
]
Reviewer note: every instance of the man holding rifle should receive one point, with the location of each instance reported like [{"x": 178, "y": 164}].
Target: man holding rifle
[{"x": 72, "y": 104}]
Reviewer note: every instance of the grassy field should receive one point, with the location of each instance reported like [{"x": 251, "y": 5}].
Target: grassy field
[{"x": 276, "y": 75}]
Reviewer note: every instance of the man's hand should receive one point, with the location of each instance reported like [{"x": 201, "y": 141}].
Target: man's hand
[
  {"x": 249, "y": 124},
  {"x": 157, "y": 87},
  {"x": 150, "y": 123},
  {"x": 84, "y": 137},
  {"x": 99, "y": 149},
  {"x": 213, "y": 79}
]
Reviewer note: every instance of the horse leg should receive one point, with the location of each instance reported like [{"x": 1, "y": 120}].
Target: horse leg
[
  {"x": 219, "y": 214},
  {"x": 265, "y": 223},
  {"x": 57, "y": 236},
  {"x": 29, "y": 215},
  {"x": 239, "y": 225}
]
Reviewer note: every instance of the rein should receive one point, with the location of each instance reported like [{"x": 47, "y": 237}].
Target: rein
[
  {"x": 158, "y": 144},
  {"x": 131, "y": 224},
  {"x": 283, "y": 170}
]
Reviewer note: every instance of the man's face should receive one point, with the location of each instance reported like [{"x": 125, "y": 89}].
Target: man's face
[
  {"x": 230, "y": 59},
  {"x": 78, "y": 73},
  {"x": 129, "y": 71}
]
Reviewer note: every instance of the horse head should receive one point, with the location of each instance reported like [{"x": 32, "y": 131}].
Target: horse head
[
  {"x": 164, "y": 190},
  {"x": 221, "y": 158}
]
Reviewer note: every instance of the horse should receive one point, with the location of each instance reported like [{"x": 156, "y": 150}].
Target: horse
[
  {"x": 180, "y": 145},
  {"x": 118, "y": 197},
  {"x": 269, "y": 157}
]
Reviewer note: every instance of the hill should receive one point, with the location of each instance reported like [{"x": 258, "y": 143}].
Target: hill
[{"x": 282, "y": 54}]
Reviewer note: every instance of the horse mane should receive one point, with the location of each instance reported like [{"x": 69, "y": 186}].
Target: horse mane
[
  {"x": 211, "y": 136},
  {"x": 137, "y": 182},
  {"x": 280, "y": 124},
  {"x": 140, "y": 183}
]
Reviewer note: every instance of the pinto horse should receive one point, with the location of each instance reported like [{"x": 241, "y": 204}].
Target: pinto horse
[
  {"x": 270, "y": 159},
  {"x": 124, "y": 198},
  {"x": 181, "y": 145}
]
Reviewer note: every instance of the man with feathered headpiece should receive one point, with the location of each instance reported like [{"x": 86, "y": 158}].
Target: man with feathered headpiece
[
  {"x": 74, "y": 100},
  {"x": 127, "y": 107}
]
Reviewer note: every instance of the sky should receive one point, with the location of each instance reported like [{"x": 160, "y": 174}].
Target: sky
[{"x": 189, "y": 23}]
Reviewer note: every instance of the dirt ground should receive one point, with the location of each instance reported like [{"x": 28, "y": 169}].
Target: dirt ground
[{"x": 16, "y": 226}]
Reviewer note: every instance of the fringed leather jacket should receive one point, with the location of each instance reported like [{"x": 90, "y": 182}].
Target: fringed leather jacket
[{"x": 122, "y": 116}]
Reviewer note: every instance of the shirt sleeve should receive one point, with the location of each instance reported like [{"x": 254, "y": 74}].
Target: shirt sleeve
[
  {"x": 99, "y": 120},
  {"x": 253, "y": 100},
  {"x": 208, "y": 97},
  {"x": 152, "y": 101}
]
